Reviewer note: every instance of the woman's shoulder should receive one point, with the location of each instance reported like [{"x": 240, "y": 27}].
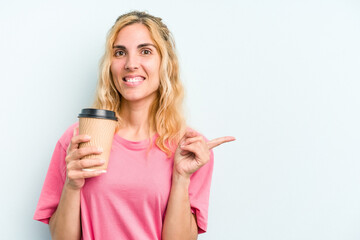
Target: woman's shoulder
[{"x": 68, "y": 134}]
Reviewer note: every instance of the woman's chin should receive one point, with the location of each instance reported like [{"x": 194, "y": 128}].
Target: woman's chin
[{"x": 137, "y": 98}]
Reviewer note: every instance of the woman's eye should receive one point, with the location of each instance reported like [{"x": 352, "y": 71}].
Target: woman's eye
[
  {"x": 146, "y": 51},
  {"x": 119, "y": 53}
]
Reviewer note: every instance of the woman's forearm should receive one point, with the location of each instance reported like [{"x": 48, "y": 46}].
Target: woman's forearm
[
  {"x": 179, "y": 222},
  {"x": 65, "y": 222}
]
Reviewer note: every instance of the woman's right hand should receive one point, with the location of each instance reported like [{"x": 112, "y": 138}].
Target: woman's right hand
[{"x": 75, "y": 176}]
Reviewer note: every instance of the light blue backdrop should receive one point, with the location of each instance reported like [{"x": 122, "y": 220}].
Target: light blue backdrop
[{"x": 281, "y": 76}]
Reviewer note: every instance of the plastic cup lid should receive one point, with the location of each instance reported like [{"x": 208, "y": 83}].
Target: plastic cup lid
[{"x": 97, "y": 113}]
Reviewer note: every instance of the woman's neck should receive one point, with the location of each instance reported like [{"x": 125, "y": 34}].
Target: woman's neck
[{"x": 135, "y": 121}]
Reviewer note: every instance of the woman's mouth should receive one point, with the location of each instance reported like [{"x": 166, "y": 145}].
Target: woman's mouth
[{"x": 133, "y": 81}]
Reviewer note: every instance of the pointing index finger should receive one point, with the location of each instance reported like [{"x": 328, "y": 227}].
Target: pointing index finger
[{"x": 218, "y": 141}]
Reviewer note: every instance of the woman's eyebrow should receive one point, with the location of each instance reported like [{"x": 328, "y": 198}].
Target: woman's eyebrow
[
  {"x": 119, "y": 47},
  {"x": 146, "y": 45},
  {"x": 139, "y": 46}
]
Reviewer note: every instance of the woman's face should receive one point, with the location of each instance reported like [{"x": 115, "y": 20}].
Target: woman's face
[{"x": 135, "y": 64}]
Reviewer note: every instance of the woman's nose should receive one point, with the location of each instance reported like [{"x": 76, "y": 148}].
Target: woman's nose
[{"x": 131, "y": 63}]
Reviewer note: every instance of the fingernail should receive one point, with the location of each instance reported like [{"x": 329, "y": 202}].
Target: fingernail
[
  {"x": 87, "y": 137},
  {"x": 100, "y": 149},
  {"x": 101, "y": 171},
  {"x": 102, "y": 161}
]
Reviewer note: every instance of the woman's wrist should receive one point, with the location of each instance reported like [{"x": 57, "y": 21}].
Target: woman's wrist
[
  {"x": 70, "y": 188},
  {"x": 180, "y": 179}
]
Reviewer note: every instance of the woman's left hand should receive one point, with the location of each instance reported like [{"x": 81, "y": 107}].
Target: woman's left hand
[{"x": 193, "y": 152}]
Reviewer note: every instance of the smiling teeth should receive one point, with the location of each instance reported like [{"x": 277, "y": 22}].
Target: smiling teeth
[{"x": 134, "y": 80}]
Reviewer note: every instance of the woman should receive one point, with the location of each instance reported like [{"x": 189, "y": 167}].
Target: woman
[{"x": 158, "y": 179}]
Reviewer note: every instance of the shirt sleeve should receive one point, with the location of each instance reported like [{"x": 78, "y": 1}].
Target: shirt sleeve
[
  {"x": 199, "y": 193},
  {"x": 54, "y": 180}
]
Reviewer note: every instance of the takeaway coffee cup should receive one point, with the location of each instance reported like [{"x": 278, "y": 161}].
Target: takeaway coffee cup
[{"x": 100, "y": 124}]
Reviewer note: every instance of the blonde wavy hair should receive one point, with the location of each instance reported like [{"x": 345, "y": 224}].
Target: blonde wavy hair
[{"x": 166, "y": 115}]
